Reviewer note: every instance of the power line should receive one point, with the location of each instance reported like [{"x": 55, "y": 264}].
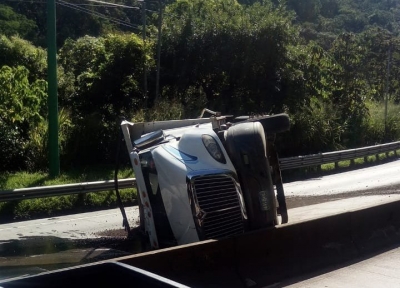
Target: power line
[
  {"x": 109, "y": 4},
  {"x": 114, "y": 4},
  {"x": 94, "y": 13},
  {"x": 77, "y": 7},
  {"x": 27, "y": 1},
  {"x": 106, "y": 4},
  {"x": 94, "y": 5}
]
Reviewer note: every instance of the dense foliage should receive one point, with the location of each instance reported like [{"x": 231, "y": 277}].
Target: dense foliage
[{"x": 329, "y": 64}]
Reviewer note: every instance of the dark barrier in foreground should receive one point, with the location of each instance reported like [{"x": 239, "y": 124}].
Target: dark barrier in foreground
[
  {"x": 93, "y": 275},
  {"x": 268, "y": 256}
]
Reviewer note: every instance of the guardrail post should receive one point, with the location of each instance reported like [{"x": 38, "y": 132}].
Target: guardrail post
[
  {"x": 365, "y": 159},
  {"x": 352, "y": 163},
  {"x": 337, "y": 165},
  {"x": 377, "y": 157}
]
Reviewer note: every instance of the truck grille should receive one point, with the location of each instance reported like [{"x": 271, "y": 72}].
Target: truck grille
[{"x": 217, "y": 200}]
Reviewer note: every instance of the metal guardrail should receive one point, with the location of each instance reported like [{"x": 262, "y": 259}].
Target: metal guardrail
[
  {"x": 331, "y": 157},
  {"x": 285, "y": 163},
  {"x": 68, "y": 189}
]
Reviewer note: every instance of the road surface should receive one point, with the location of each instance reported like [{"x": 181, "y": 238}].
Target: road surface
[
  {"x": 78, "y": 226},
  {"x": 377, "y": 180},
  {"x": 77, "y": 239},
  {"x": 372, "y": 178}
]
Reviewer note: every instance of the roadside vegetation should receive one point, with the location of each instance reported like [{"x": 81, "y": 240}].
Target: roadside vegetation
[
  {"x": 329, "y": 64},
  {"x": 339, "y": 167},
  {"x": 53, "y": 206}
]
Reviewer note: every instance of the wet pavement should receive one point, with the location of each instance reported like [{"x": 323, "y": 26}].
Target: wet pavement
[
  {"x": 35, "y": 254},
  {"x": 30, "y": 247}
]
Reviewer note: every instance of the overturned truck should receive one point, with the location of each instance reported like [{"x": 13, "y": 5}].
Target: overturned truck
[{"x": 206, "y": 178}]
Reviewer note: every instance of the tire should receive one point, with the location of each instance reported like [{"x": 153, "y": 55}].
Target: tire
[
  {"x": 272, "y": 124},
  {"x": 246, "y": 146}
]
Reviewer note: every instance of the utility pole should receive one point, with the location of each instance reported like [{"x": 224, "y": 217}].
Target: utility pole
[
  {"x": 387, "y": 90},
  {"x": 54, "y": 160},
  {"x": 144, "y": 55},
  {"x": 160, "y": 16}
]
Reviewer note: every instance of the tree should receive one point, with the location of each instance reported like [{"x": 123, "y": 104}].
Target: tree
[
  {"x": 22, "y": 107},
  {"x": 234, "y": 54},
  {"x": 309, "y": 82},
  {"x": 349, "y": 93},
  {"x": 12, "y": 23},
  {"x": 329, "y": 8},
  {"x": 108, "y": 74},
  {"x": 15, "y": 51},
  {"x": 306, "y": 10},
  {"x": 94, "y": 20},
  {"x": 377, "y": 43}
]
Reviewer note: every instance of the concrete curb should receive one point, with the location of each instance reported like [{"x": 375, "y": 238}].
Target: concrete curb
[{"x": 268, "y": 256}]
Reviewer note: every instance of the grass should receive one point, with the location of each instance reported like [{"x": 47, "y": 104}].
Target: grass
[
  {"x": 346, "y": 165},
  {"x": 376, "y": 121},
  {"x": 370, "y": 160},
  {"x": 87, "y": 174},
  {"x": 53, "y": 206}
]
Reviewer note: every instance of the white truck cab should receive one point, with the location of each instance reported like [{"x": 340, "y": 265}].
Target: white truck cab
[{"x": 204, "y": 178}]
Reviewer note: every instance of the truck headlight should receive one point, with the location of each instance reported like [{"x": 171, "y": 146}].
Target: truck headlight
[{"x": 213, "y": 148}]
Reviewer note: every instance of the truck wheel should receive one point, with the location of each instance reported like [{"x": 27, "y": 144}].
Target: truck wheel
[
  {"x": 273, "y": 124},
  {"x": 246, "y": 146}
]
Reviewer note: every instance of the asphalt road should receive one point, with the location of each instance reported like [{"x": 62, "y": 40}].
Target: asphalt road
[
  {"x": 57, "y": 242},
  {"x": 78, "y": 226},
  {"x": 376, "y": 180},
  {"x": 380, "y": 177}
]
